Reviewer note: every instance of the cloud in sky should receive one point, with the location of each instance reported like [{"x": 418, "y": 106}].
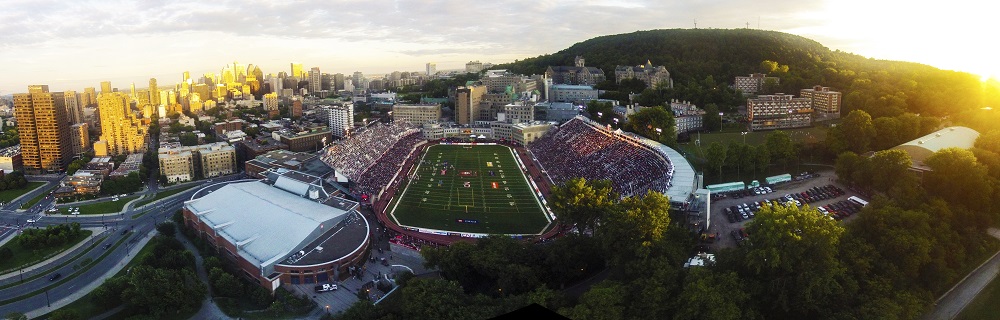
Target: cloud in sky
[{"x": 74, "y": 44}]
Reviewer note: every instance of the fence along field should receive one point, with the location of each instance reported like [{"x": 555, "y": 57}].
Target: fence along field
[{"x": 470, "y": 189}]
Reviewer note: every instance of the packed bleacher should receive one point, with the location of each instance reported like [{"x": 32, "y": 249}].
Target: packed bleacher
[
  {"x": 380, "y": 174},
  {"x": 356, "y": 153},
  {"x": 580, "y": 148}
]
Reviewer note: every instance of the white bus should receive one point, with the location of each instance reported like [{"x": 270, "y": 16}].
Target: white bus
[{"x": 857, "y": 200}]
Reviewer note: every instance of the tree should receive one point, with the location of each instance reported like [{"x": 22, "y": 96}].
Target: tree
[
  {"x": 655, "y": 123},
  {"x": 709, "y": 294},
  {"x": 891, "y": 169},
  {"x": 166, "y": 228},
  {"x": 847, "y": 164},
  {"x": 793, "y": 255},
  {"x": 716, "y": 156},
  {"x": 711, "y": 121},
  {"x": 958, "y": 178},
  {"x": 583, "y": 203},
  {"x": 854, "y": 133},
  {"x": 65, "y": 314},
  {"x": 633, "y": 229},
  {"x": 604, "y": 301},
  {"x": 189, "y": 139},
  {"x": 781, "y": 147},
  {"x": 762, "y": 159},
  {"x": 437, "y": 299}
]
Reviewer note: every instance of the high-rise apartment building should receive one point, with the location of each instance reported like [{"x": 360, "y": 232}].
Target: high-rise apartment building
[
  {"x": 338, "y": 81},
  {"x": 73, "y": 112},
  {"x": 753, "y": 83},
  {"x": 43, "y": 129},
  {"x": 177, "y": 164},
  {"x": 105, "y": 86},
  {"x": 431, "y": 68},
  {"x": 779, "y": 111},
  {"x": 340, "y": 118},
  {"x": 467, "y": 103},
  {"x": 296, "y": 108},
  {"x": 315, "y": 80},
  {"x": 216, "y": 159},
  {"x": 297, "y": 71},
  {"x": 80, "y": 139},
  {"x": 271, "y": 101},
  {"x": 121, "y": 130},
  {"x": 823, "y": 99}
]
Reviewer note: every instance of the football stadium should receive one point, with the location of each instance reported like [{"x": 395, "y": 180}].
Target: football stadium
[{"x": 436, "y": 185}]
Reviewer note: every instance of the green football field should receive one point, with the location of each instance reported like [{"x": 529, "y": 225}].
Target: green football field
[{"x": 470, "y": 189}]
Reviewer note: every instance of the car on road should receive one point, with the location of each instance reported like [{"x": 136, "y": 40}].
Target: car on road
[
  {"x": 55, "y": 276},
  {"x": 31, "y": 220},
  {"x": 107, "y": 245}
]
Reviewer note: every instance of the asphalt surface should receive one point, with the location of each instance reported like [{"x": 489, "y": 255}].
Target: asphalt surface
[{"x": 11, "y": 220}]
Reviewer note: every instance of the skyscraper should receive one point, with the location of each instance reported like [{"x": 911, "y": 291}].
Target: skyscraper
[
  {"x": 315, "y": 80},
  {"x": 297, "y": 71},
  {"x": 467, "y": 103},
  {"x": 431, "y": 68},
  {"x": 154, "y": 92},
  {"x": 43, "y": 129},
  {"x": 120, "y": 129},
  {"x": 105, "y": 86}
]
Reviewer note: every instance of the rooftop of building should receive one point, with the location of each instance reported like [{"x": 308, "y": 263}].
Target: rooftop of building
[
  {"x": 10, "y": 151},
  {"x": 951, "y": 137},
  {"x": 268, "y": 224},
  {"x": 572, "y": 87}
]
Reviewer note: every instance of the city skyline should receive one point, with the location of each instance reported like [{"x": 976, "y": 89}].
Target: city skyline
[{"x": 79, "y": 44}]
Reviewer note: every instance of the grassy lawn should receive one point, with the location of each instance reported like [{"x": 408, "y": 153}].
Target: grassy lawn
[
  {"x": 26, "y": 257},
  {"x": 164, "y": 194},
  {"x": 8, "y": 195},
  {"x": 813, "y": 134},
  {"x": 481, "y": 186},
  {"x": 35, "y": 200},
  {"x": 986, "y": 305},
  {"x": 102, "y": 207}
]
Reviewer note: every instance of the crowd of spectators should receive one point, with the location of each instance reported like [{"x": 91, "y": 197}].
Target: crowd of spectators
[
  {"x": 581, "y": 149},
  {"x": 354, "y": 154},
  {"x": 379, "y": 175}
]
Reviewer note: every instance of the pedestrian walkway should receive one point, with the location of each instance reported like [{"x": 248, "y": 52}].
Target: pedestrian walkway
[
  {"x": 209, "y": 310},
  {"x": 952, "y": 302},
  {"x": 93, "y": 284},
  {"x": 59, "y": 258}
]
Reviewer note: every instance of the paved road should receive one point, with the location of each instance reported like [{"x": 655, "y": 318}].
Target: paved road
[
  {"x": 75, "y": 287},
  {"x": 953, "y": 301}
]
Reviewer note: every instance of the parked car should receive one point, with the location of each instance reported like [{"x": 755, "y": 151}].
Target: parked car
[
  {"x": 326, "y": 287},
  {"x": 55, "y": 276}
]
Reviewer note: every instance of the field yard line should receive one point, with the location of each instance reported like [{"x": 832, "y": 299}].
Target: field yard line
[{"x": 479, "y": 165}]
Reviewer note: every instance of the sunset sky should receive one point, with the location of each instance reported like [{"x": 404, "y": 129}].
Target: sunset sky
[{"x": 70, "y": 45}]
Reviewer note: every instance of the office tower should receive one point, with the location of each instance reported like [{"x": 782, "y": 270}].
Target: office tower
[
  {"x": 195, "y": 104},
  {"x": 154, "y": 92},
  {"x": 297, "y": 71},
  {"x": 358, "y": 78},
  {"x": 473, "y": 67},
  {"x": 276, "y": 84},
  {"x": 105, "y": 86},
  {"x": 431, "y": 68},
  {"x": 89, "y": 97},
  {"x": 467, "y": 103},
  {"x": 120, "y": 129},
  {"x": 315, "y": 80},
  {"x": 43, "y": 129},
  {"x": 133, "y": 96},
  {"x": 186, "y": 77},
  {"x": 338, "y": 81},
  {"x": 327, "y": 82},
  {"x": 203, "y": 90}
]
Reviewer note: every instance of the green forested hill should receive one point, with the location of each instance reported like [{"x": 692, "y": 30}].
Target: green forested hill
[{"x": 880, "y": 87}]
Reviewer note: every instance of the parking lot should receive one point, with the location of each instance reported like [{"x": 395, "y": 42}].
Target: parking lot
[{"x": 820, "y": 191}]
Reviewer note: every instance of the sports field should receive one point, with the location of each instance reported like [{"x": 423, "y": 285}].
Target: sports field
[{"x": 470, "y": 189}]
